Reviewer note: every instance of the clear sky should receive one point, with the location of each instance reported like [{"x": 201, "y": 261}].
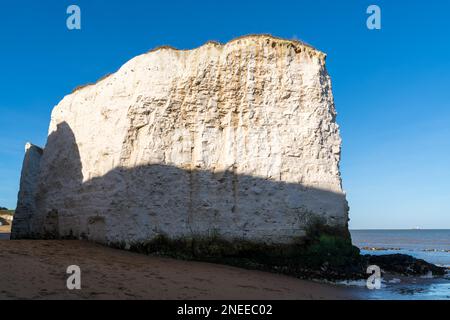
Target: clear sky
[{"x": 391, "y": 86}]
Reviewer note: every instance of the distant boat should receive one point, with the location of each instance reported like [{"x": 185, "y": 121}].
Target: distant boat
[{"x": 416, "y": 228}]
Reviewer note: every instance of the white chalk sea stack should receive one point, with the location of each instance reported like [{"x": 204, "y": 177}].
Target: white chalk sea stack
[{"x": 238, "y": 141}]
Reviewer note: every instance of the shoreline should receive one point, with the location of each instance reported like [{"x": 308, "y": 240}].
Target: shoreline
[{"x": 37, "y": 270}]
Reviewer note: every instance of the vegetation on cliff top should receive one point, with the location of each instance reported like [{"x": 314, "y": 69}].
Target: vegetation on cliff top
[{"x": 6, "y": 211}]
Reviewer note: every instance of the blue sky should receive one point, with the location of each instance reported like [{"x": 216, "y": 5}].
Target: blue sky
[{"x": 391, "y": 87}]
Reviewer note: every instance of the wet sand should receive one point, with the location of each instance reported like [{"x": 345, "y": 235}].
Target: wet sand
[{"x": 37, "y": 270}]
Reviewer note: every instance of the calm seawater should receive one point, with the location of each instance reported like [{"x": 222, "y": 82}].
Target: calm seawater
[{"x": 430, "y": 245}]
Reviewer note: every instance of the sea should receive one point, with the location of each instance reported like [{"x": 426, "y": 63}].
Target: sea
[{"x": 430, "y": 245}]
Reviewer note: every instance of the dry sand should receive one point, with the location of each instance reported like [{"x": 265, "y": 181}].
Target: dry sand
[
  {"x": 37, "y": 270},
  {"x": 4, "y": 232}
]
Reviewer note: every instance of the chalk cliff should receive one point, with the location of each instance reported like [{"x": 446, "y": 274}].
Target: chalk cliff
[{"x": 238, "y": 141}]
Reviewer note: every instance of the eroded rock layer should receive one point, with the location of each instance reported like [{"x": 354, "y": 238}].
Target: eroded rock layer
[{"x": 237, "y": 141}]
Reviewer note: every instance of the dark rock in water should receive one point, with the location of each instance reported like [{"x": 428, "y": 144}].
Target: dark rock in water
[{"x": 404, "y": 264}]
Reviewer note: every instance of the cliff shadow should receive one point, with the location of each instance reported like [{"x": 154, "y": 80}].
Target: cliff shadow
[
  {"x": 146, "y": 200},
  {"x": 165, "y": 208},
  {"x": 142, "y": 202}
]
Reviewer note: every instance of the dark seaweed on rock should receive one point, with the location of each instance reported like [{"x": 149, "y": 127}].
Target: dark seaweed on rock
[{"x": 404, "y": 265}]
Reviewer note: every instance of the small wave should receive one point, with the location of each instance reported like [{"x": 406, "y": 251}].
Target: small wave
[
  {"x": 394, "y": 281},
  {"x": 352, "y": 283},
  {"x": 380, "y": 249},
  {"x": 436, "y": 250},
  {"x": 404, "y": 249},
  {"x": 447, "y": 274},
  {"x": 429, "y": 275}
]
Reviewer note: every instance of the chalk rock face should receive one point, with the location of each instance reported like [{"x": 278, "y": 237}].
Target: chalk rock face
[
  {"x": 28, "y": 182},
  {"x": 236, "y": 140}
]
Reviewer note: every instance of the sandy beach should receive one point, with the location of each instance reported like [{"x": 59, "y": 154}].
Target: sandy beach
[
  {"x": 37, "y": 270},
  {"x": 4, "y": 232}
]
